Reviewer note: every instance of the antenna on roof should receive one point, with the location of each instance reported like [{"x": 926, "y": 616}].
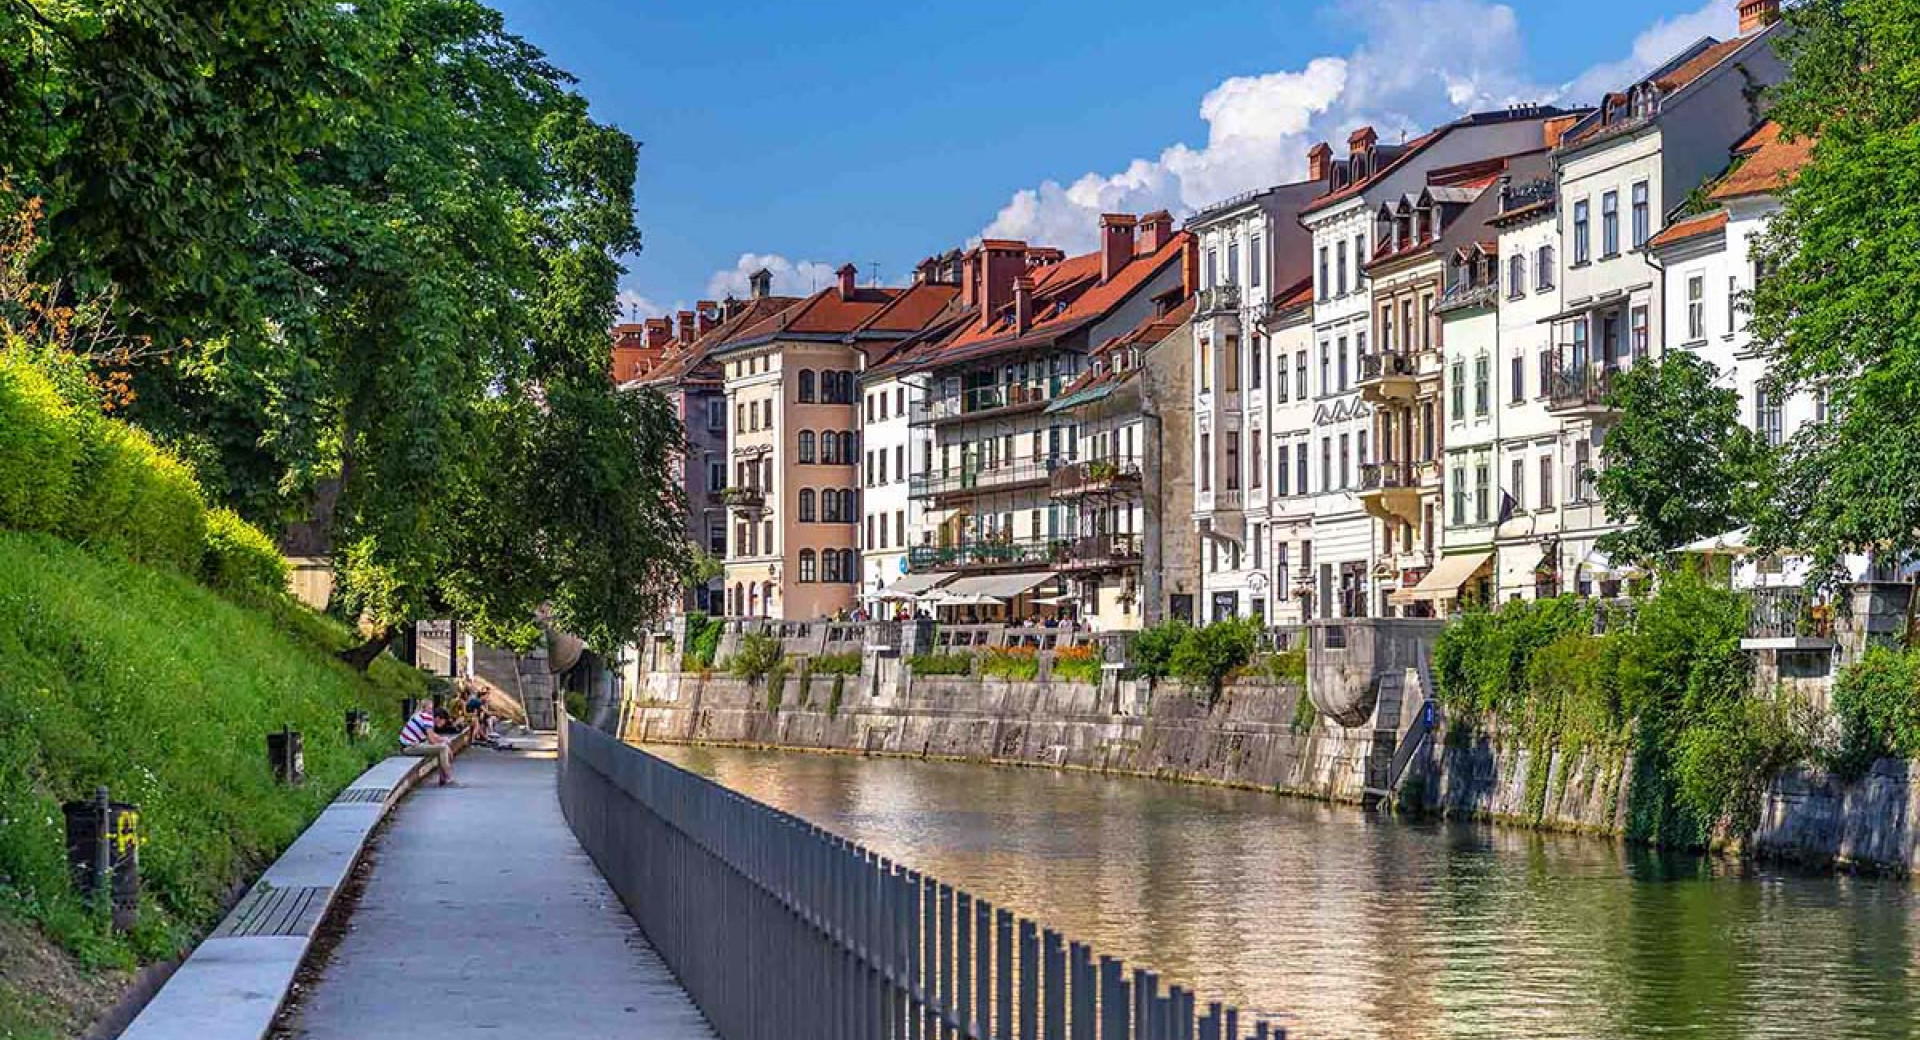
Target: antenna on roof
[{"x": 873, "y": 278}]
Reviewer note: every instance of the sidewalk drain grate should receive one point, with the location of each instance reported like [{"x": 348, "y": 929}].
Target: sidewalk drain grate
[
  {"x": 276, "y": 911},
  {"x": 363, "y": 794}
]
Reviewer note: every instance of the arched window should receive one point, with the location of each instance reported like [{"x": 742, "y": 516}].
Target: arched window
[
  {"x": 806, "y": 505},
  {"x": 809, "y": 567},
  {"x": 806, "y": 446},
  {"x": 849, "y": 566},
  {"x": 753, "y": 601},
  {"x": 829, "y": 448},
  {"x": 830, "y": 564},
  {"x": 849, "y": 449},
  {"x": 830, "y": 506},
  {"x": 806, "y": 385},
  {"x": 766, "y": 596},
  {"x": 849, "y": 507},
  {"x": 737, "y": 603}
]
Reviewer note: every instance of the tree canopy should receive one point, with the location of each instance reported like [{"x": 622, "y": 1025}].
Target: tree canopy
[
  {"x": 376, "y": 246},
  {"x": 1838, "y": 309}
]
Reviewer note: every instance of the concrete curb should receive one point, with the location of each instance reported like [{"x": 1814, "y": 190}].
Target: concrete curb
[{"x": 233, "y": 984}]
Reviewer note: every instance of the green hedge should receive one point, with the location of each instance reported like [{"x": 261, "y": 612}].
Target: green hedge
[
  {"x": 835, "y": 664},
  {"x": 941, "y": 664},
  {"x": 1877, "y": 699},
  {"x": 241, "y": 560}
]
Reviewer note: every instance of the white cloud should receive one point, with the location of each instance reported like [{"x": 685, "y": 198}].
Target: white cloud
[
  {"x": 636, "y": 306},
  {"x": 1418, "y": 63},
  {"x": 1661, "y": 41},
  {"x": 790, "y": 278}
]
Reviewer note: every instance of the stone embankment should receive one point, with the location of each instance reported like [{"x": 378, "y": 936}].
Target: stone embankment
[{"x": 1257, "y": 735}]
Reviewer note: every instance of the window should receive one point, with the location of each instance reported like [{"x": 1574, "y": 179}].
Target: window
[
  {"x": 1256, "y": 262},
  {"x": 809, "y": 567},
  {"x": 1340, "y": 268},
  {"x": 1459, "y": 496},
  {"x": 1482, "y": 491},
  {"x": 1543, "y": 276},
  {"x": 1254, "y": 469},
  {"x": 1482, "y": 384},
  {"x": 1766, "y": 416},
  {"x": 899, "y": 400},
  {"x": 883, "y": 465},
  {"x": 1516, "y": 276},
  {"x": 1205, "y": 366},
  {"x": 716, "y": 476},
  {"x": 1233, "y": 263},
  {"x": 1610, "y": 223},
  {"x": 1256, "y": 363},
  {"x": 1300, "y": 375},
  {"x": 766, "y": 530},
  {"x": 807, "y": 512},
  {"x": 1323, "y": 273},
  {"x": 1213, "y": 267},
  {"x": 1359, "y": 257},
  {"x": 899, "y": 462},
  {"x": 804, "y": 447},
  {"x": 1517, "y": 375},
  {"x": 1300, "y": 468},
  {"x": 1733, "y": 304},
  {"x": 739, "y": 416},
  {"x": 1346, "y": 461},
  {"x": 869, "y": 471},
  {"x": 1642, "y": 226},
  {"x": 830, "y": 565},
  {"x": 1206, "y": 461},
  {"x": 849, "y": 448},
  {"x": 1518, "y": 490},
  {"x": 1326, "y": 368},
  {"x": 1696, "y": 307},
  {"x": 1232, "y": 470},
  {"x": 716, "y": 414},
  {"x": 1281, "y": 484},
  {"x": 1546, "y": 482},
  {"x": 1326, "y": 464},
  {"x": 869, "y": 542},
  {"x": 1341, "y": 353},
  {"x": 1546, "y": 371},
  {"x": 1230, "y": 361},
  {"x": 806, "y": 386},
  {"x": 1580, "y": 232},
  {"x": 900, "y": 527},
  {"x": 1582, "y": 476},
  {"x": 1459, "y": 389},
  {"x": 1637, "y": 330}
]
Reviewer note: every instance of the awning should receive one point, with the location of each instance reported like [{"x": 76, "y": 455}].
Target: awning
[
  {"x": 1001, "y": 587},
  {"x": 912, "y": 585},
  {"x": 1596, "y": 565},
  {"x": 1445, "y": 579},
  {"x": 1732, "y": 543},
  {"x": 1519, "y": 564}
]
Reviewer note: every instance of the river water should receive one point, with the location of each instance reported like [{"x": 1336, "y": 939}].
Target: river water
[{"x": 1343, "y": 924}]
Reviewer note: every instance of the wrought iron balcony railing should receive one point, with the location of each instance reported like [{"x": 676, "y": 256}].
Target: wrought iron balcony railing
[
  {"x": 1788, "y": 613},
  {"x": 965, "y": 479},
  {"x": 1580, "y": 386},
  {"x": 1384, "y": 476},
  {"x": 1382, "y": 365},
  {"x": 989, "y": 553}
]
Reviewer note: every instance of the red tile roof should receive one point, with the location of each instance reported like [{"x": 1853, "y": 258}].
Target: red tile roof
[
  {"x": 1768, "y": 164},
  {"x": 913, "y": 308},
  {"x": 1407, "y": 152},
  {"x": 1151, "y": 330},
  {"x": 690, "y": 362},
  {"x": 1698, "y": 65},
  {"x": 1692, "y": 227}
]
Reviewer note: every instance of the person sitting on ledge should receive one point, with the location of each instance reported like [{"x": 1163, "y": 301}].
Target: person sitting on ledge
[{"x": 417, "y": 737}]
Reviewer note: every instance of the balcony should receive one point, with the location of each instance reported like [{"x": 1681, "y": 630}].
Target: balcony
[
  {"x": 989, "y": 554},
  {"x": 1787, "y": 618},
  {"x": 1221, "y": 299},
  {"x": 1388, "y": 376},
  {"x": 1098, "y": 552},
  {"x": 985, "y": 402},
  {"x": 1390, "y": 491},
  {"x": 1461, "y": 297},
  {"x": 1580, "y": 390},
  {"x": 1095, "y": 476},
  {"x": 749, "y": 502},
  {"x": 968, "y": 481}
]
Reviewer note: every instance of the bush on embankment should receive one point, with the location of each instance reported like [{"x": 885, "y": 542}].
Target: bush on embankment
[
  {"x": 1666, "y": 681},
  {"x": 1877, "y": 700},
  {"x": 140, "y": 679}
]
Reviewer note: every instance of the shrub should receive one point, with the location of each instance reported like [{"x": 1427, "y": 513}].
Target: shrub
[
  {"x": 1077, "y": 664},
  {"x": 39, "y": 448},
  {"x": 836, "y": 664},
  {"x": 241, "y": 560},
  {"x": 1151, "y": 655},
  {"x": 703, "y": 641},
  {"x": 1877, "y": 700},
  {"x": 759, "y": 655},
  {"x": 833, "y": 698},
  {"x": 941, "y": 664},
  {"x": 1304, "y": 713},
  {"x": 1205, "y": 656},
  {"x": 1286, "y": 667},
  {"x": 1020, "y": 663}
]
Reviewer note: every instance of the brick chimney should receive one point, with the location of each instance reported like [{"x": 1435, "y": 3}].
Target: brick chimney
[
  {"x": 1022, "y": 304},
  {"x": 1000, "y": 262},
  {"x": 730, "y": 307},
  {"x": 659, "y": 332},
  {"x": 1756, "y": 15},
  {"x": 849, "y": 278},
  {"x": 1156, "y": 230},
  {"x": 1320, "y": 163},
  {"x": 760, "y": 284},
  {"x": 706, "y": 316},
  {"x": 969, "y": 265},
  {"x": 1116, "y": 243}
]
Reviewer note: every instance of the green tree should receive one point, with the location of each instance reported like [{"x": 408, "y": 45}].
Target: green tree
[
  {"x": 1679, "y": 465},
  {"x": 1838, "y": 310}
]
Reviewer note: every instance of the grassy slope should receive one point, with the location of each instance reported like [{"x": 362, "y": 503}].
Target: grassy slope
[{"x": 145, "y": 681}]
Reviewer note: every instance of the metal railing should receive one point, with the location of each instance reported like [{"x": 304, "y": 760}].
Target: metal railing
[
  {"x": 1382, "y": 476},
  {"x": 1096, "y": 550},
  {"x": 778, "y": 928},
  {"x": 1094, "y": 475},
  {"x": 745, "y": 498},
  {"x": 1382, "y": 365},
  {"x": 1787, "y": 612},
  {"x": 1217, "y": 299},
  {"x": 966, "y": 478},
  {"x": 1580, "y": 386},
  {"x": 1035, "y": 550},
  {"x": 983, "y": 399}
]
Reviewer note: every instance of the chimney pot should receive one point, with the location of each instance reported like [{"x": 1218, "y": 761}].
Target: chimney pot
[
  {"x": 1320, "y": 162},
  {"x": 1156, "y": 230},
  {"x": 685, "y": 325},
  {"x": 849, "y": 275},
  {"x": 1116, "y": 243},
  {"x": 760, "y": 284},
  {"x": 997, "y": 263},
  {"x": 706, "y": 316},
  {"x": 1756, "y": 15},
  {"x": 1022, "y": 304}
]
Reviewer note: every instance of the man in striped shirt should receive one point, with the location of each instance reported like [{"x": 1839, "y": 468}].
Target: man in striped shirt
[{"x": 417, "y": 737}]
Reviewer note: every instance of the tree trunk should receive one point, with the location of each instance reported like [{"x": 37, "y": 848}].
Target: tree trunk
[{"x": 362, "y": 657}]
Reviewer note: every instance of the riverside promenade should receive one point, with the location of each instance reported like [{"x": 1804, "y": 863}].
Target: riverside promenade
[{"x": 482, "y": 915}]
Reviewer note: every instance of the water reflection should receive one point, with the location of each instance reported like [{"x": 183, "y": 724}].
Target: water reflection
[{"x": 1345, "y": 925}]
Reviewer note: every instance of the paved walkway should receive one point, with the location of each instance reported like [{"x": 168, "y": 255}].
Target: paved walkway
[{"x": 483, "y": 916}]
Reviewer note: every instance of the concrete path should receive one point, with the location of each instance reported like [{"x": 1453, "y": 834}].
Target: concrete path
[{"x": 483, "y": 917}]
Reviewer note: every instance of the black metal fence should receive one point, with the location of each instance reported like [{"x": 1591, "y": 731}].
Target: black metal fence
[{"x": 779, "y": 929}]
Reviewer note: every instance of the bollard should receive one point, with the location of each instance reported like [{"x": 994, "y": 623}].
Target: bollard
[
  {"x": 103, "y": 854},
  {"x": 286, "y": 754},
  {"x": 359, "y": 726}
]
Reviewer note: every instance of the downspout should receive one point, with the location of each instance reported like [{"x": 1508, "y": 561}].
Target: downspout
[{"x": 1151, "y": 568}]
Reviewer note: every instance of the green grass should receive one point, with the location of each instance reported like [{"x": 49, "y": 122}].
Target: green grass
[{"x": 140, "y": 679}]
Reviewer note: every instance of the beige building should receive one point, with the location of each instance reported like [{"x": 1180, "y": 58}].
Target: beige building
[{"x": 793, "y": 447}]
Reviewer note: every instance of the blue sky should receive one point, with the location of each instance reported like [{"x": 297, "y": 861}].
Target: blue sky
[{"x": 804, "y": 136}]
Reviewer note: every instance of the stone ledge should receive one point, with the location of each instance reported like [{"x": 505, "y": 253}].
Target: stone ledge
[{"x": 233, "y": 984}]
